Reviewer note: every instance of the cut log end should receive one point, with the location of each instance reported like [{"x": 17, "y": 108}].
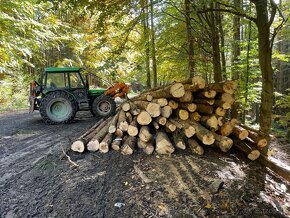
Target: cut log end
[
  {"x": 144, "y": 118},
  {"x": 177, "y": 90},
  {"x": 78, "y": 146},
  {"x": 254, "y": 155}
]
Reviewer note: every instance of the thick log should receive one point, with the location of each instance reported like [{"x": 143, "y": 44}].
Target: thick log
[
  {"x": 187, "y": 97},
  {"x": 226, "y": 129},
  {"x": 144, "y": 134},
  {"x": 219, "y": 111},
  {"x": 185, "y": 126},
  {"x": 161, "y": 120},
  {"x": 163, "y": 144},
  {"x": 146, "y": 96},
  {"x": 205, "y": 94},
  {"x": 195, "y": 147},
  {"x": 224, "y": 87},
  {"x": 222, "y": 104},
  {"x": 126, "y": 106},
  {"x": 147, "y": 147},
  {"x": 104, "y": 145},
  {"x": 195, "y": 116},
  {"x": 161, "y": 101},
  {"x": 191, "y": 107},
  {"x": 175, "y": 90},
  {"x": 223, "y": 142},
  {"x": 133, "y": 128},
  {"x": 144, "y": 118},
  {"x": 240, "y": 132},
  {"x": 79, "y": 144},
  {"x": 128, "y": 146},
  {"x": 211, "y": 122},
  {"x": 204, "y": 101},
  {"x": 251, "y": 152},
  {"x": 260, "y": 140},
  {"x": 198, "y": 81},
  {"x": 205, "y": 109},
  {"x": 178, "y": 141},
  {"x": 173, "y": 104},
  {"x": 116, "y": 144},
  {"x": 119, "y": 133},
  {"x": 182, "y": 114},
  {"x": 152, "y": 108},
  {"x": 166, "y": 111},
  {"x": 229, "y": 98},
  {"x": 203, "y": 134}
]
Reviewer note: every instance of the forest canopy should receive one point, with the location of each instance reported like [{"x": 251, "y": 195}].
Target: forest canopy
[{"x": 149, "y": 42}]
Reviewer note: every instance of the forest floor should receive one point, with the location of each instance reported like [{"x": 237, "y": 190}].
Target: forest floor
[{"x": 37, "y": 180}]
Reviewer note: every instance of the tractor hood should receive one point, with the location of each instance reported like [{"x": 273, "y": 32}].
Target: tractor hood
[{"x": 98, "y": 91}]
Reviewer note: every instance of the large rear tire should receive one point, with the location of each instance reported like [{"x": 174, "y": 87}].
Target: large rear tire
[
  {"x": 58, "y": 108},
  {"x": 103, "y": 106}
]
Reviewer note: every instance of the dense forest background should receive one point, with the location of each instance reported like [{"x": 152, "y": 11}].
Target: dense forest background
[{"x": 153, "y": 42}]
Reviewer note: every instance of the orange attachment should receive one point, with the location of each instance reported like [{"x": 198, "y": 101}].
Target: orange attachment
[{"x": 117, "y": 90}]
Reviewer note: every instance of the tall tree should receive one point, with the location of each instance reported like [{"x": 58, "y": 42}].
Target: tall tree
[
  {"x": 190, "y": 50},
  {"x": 236, "y": 50},
  {"x": 154, "y": 65}
]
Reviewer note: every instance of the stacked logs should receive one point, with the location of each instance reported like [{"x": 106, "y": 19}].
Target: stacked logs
[{"x": 190, "y": 114}]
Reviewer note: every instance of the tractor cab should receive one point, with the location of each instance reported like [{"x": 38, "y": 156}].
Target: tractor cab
[{"x": 64, "y": 91}]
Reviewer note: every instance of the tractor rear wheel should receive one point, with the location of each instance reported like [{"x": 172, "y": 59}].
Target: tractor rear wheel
[
  {"x": 103, "y": 106},
  {"x": 58, "y": 108}
]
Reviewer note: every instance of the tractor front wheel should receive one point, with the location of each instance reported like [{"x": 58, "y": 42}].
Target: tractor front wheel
[
  {"x": 103, "y": 106},
  {"x": 58, "y": 108}
]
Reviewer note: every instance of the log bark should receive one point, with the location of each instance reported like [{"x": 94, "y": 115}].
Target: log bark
[
  {"x": 161, "y": 101},
  {"x": 185, "y": 126},
  {"x": 251, "y": 152},
  {"x": 152, "y": 108},
  {"x": 156, "y": 125},
  {"x": 104, "y": 145},
  {"x": 178, "y": 141},
  {"x": 128, "y": 146},
  {"x": 94, "y": 143},
  {"x": 163, "y": 144},
  {"x": 191, "y": 107},
  {"x": 222, "y": 104},
  {"x": 144, "y": 118},
  {"x": 113, "y": 126},
  {"x": 175, "y": 90},
  {"x": 195, "y": 147},
  {"x": 170, "y": 126},
  {"x": 119, "y": 133},
  {"x": 226, "y": 129},
  {"x": 205, "y": 94},
  {"x": 240, "y": 132},
  {"x": 211, "y": 122},
  {"x": 223, "y": 142},
  {"x": 144, "y": 134},
  {"x": 203, "y": 134},
  {"x": 260, "y": 140},
  {"x": 205, "y": 109},
  {"x": 198, "y": 81},
  {"x": 224, "y": 87},
  {"x": 149, "y": 149},
  {"x": 229, "y": 98},
  {"x": 79, "y": 144},
  {"x": 129, "y": 117},
  {"x": 204, "y": 101},
  {"x": 187, "y": 97},
  {"x": 122, "y": 121}
]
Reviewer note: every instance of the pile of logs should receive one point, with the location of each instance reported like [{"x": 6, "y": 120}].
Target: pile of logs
[{"x": 190, "y": 114}]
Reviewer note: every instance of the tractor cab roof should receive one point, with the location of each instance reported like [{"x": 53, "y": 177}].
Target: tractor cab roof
[{"x": 62, "y": 69}]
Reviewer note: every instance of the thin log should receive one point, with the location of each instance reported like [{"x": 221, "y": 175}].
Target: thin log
[
  {"x": 128, "y": 146},
  {"x": 205, "y": 109},
  {"x": 211, "y": 122},
  {"x": 119, "y": 133},
  {"x": 126, "y": 106},
  {"x": 187, "y": 97},
  {"x": 226, "y": 129},
  {"x": 223, "y": 142},
  {"x": 161, "y": 120},
  {"x": 203, "y": 134},
  {"x": 260, "y": 140},
  {"x": 152, "y": 108},
  {"x": 195, "y": 116},
  {"x": 173, "y": 104},
  {"x": 251, "y": 152},
  {"x": 204, "y": 101},
  {"x": 166, "y": 111},
  {"x": 219, "y": 111},
  {"x": 222, "y": 104},
  {"x": 104, "y": 145},
  {"x": 113, "y": 126},
  {"x": 133, "y": 128},
  {"x": 240, "y": 132},
  {"x": 178, "y": 141},
  {"x": 205, "y": 94},
  {"x": 191, "y": 107},
  {"x": 144, "y": 134},
  {"x": 170, "y": 126},
  {"x": 116, "y": 144},
  {"x": 182, "y": 114},
  {"x": 161, "y": 101}
]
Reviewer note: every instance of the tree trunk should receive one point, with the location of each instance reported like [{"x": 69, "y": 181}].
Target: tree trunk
[
  {"x": 236, "y": 49},
  {"x": 154, "y": 65},
  {"x": 190, "y": 50}
]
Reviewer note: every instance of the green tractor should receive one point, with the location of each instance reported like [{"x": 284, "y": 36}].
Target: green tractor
[{"x": 63, "y": 91}]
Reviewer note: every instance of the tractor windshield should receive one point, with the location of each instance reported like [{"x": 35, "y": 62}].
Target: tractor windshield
[
  {"x": 76, "y": 81},
  {"x": 57, "y": 80}
]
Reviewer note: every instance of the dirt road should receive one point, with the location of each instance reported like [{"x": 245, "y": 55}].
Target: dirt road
[{"x": 36, "y": 179}]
